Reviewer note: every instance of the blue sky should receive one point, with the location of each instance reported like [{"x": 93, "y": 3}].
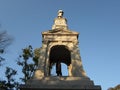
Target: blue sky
[{"x": 97, "y": 21}]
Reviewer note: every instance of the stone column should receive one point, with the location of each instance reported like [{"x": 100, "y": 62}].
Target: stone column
[
  {"x": 77, "y": 68},
  {"x": 40, "y": 72},
  {"x": 46, "y": 64}
]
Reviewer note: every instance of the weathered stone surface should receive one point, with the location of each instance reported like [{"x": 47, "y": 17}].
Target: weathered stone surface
[
  {"x": 60, "y": 22},
  {"x": 61, "y": 83},
  {"x": 60, "y": 45}
]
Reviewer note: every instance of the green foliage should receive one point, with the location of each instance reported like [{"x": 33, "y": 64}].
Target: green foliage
[
  {"x": 115, "y": 88},
  {"x": 3, "y": 85},
  {"x": 28, "y": 61},
  {"x": 9, "y": 83},
  {"x": 36, "y": 55}
]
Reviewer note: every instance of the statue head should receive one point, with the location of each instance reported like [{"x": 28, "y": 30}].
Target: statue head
[{"x": 60, "y": 13}]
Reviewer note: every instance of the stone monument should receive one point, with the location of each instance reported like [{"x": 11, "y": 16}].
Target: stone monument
[{"x": 60, "y": 45}]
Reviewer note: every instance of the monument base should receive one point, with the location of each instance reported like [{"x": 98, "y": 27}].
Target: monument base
[{"x": 60, "y": 83}]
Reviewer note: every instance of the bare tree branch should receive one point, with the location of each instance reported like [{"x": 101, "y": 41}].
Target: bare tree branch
[{"x": 5, "y": 40}]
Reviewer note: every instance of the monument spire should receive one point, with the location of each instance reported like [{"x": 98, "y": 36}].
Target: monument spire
[{"x": 60, "y": 22}]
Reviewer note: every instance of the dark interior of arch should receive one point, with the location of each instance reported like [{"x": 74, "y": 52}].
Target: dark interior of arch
[{"x": 60, "y": 53}]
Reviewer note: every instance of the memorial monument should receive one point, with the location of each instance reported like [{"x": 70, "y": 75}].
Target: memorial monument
[{"x": 60, "y": 45}]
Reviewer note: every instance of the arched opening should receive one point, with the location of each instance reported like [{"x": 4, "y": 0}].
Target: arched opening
[
  {"x": 64, "y": 69},
  {"x": 59, "y": 59}
]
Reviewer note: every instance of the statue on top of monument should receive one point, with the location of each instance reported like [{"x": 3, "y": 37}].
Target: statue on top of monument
[
  {"x": 60, "y": 13},
  {"x": 60, "y": 22}
]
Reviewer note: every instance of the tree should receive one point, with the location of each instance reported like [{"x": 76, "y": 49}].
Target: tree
[
  {"x": 115, "y": 88},
  {"x": 28, "y": 61},
  {"x": 9, "y": 83},
  {"x": 5, "y": 40}
]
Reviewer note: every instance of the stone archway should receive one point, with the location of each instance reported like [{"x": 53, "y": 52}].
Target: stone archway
[{"x": 59, "y": 54}]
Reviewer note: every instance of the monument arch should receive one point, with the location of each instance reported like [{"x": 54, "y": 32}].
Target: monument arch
[
  {"x": 60, "y": 45},
  {"x": 59, "y": 54}
]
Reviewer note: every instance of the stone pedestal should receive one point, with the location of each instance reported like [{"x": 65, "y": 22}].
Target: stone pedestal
[{"x": 60, "y": 83}]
